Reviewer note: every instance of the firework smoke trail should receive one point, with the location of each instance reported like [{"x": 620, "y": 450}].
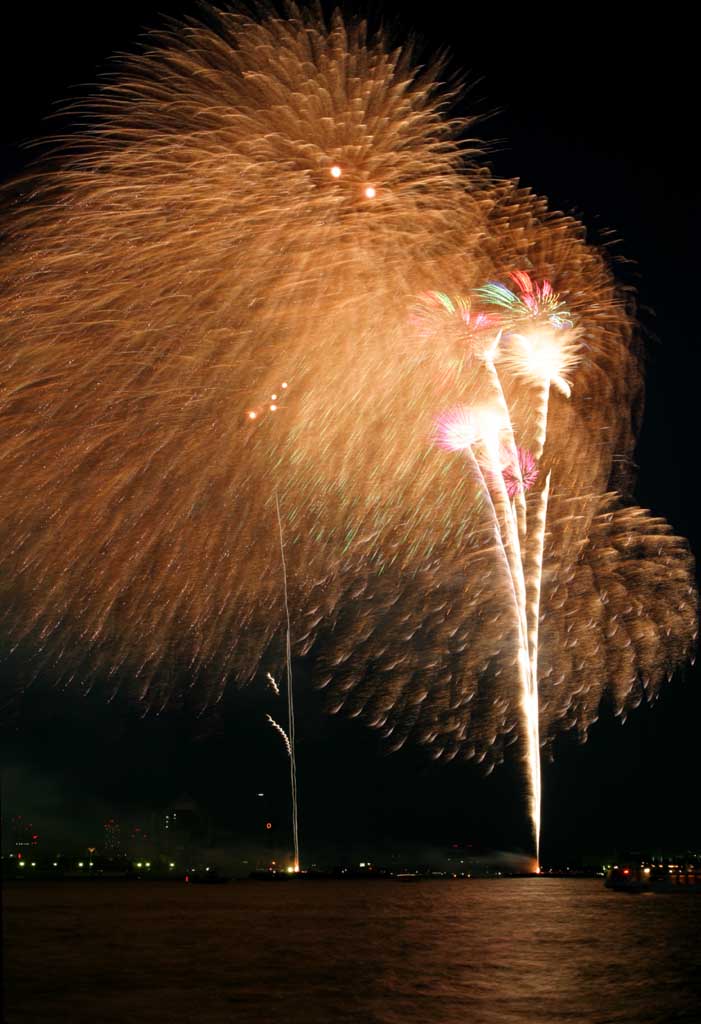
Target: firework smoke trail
[
  {"x": 290, "y": 696},
  {"x": 252, "y": 202}
]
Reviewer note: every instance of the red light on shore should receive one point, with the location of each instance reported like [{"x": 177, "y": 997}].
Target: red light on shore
[{"x": 268, "y": 824}]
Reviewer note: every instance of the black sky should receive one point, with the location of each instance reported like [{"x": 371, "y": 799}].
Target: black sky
[{"x": 597, "y": 114}]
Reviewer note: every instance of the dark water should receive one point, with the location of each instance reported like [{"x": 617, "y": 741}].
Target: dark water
[{"x": 477, "y": 952}]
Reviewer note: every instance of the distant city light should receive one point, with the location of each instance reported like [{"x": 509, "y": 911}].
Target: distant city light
[
  {"x": 21, "y": 863},
  {"x": 171, "y": 865},
  {"x": 335, "y": 171},
  {"x": 81, "y": 864},
  {"x": 370, "y": 192}
]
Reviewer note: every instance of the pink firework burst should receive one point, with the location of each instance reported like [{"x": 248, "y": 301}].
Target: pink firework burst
[
  {"x": 528, "y": 475},
  {"x": 456, "y": 429}
]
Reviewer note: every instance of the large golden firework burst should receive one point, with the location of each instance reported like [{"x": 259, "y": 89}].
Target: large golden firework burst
[{"x": 210, "y": 298}]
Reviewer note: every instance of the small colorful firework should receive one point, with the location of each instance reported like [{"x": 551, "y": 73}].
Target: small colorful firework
[
  {"x": 433, "y": 308},
  {"x": 530, "y": 301},
  {"x": 522, "y": 478}
]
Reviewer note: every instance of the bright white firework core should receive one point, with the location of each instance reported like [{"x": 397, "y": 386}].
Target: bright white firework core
[{"x": 542, "y": 355}]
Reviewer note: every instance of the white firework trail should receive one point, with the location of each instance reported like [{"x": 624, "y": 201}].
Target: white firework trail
[
  {"x": 290, "y": 696},
  {"x": 285, "y": 737}
]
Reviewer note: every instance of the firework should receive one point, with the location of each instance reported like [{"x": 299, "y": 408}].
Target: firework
[
  {"x": 521, "y": 475},
  {"x": 289, "y": 737},
  {"x": 258, "y": 203},
  {"x": 530, "y": 304},
  {"x": 272, "y": 684},
  {"x": 193, "y": 263},
  {"x": 540, "y": 348},
  {"x": 281, "y": 732},
  {"x": 478, "y": 432}
]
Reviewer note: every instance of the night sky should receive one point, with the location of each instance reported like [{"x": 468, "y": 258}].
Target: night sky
[{"x": 596, "y": 115}]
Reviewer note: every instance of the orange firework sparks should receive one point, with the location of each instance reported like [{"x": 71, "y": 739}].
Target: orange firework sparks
[{"x": 209, "y": 238}]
